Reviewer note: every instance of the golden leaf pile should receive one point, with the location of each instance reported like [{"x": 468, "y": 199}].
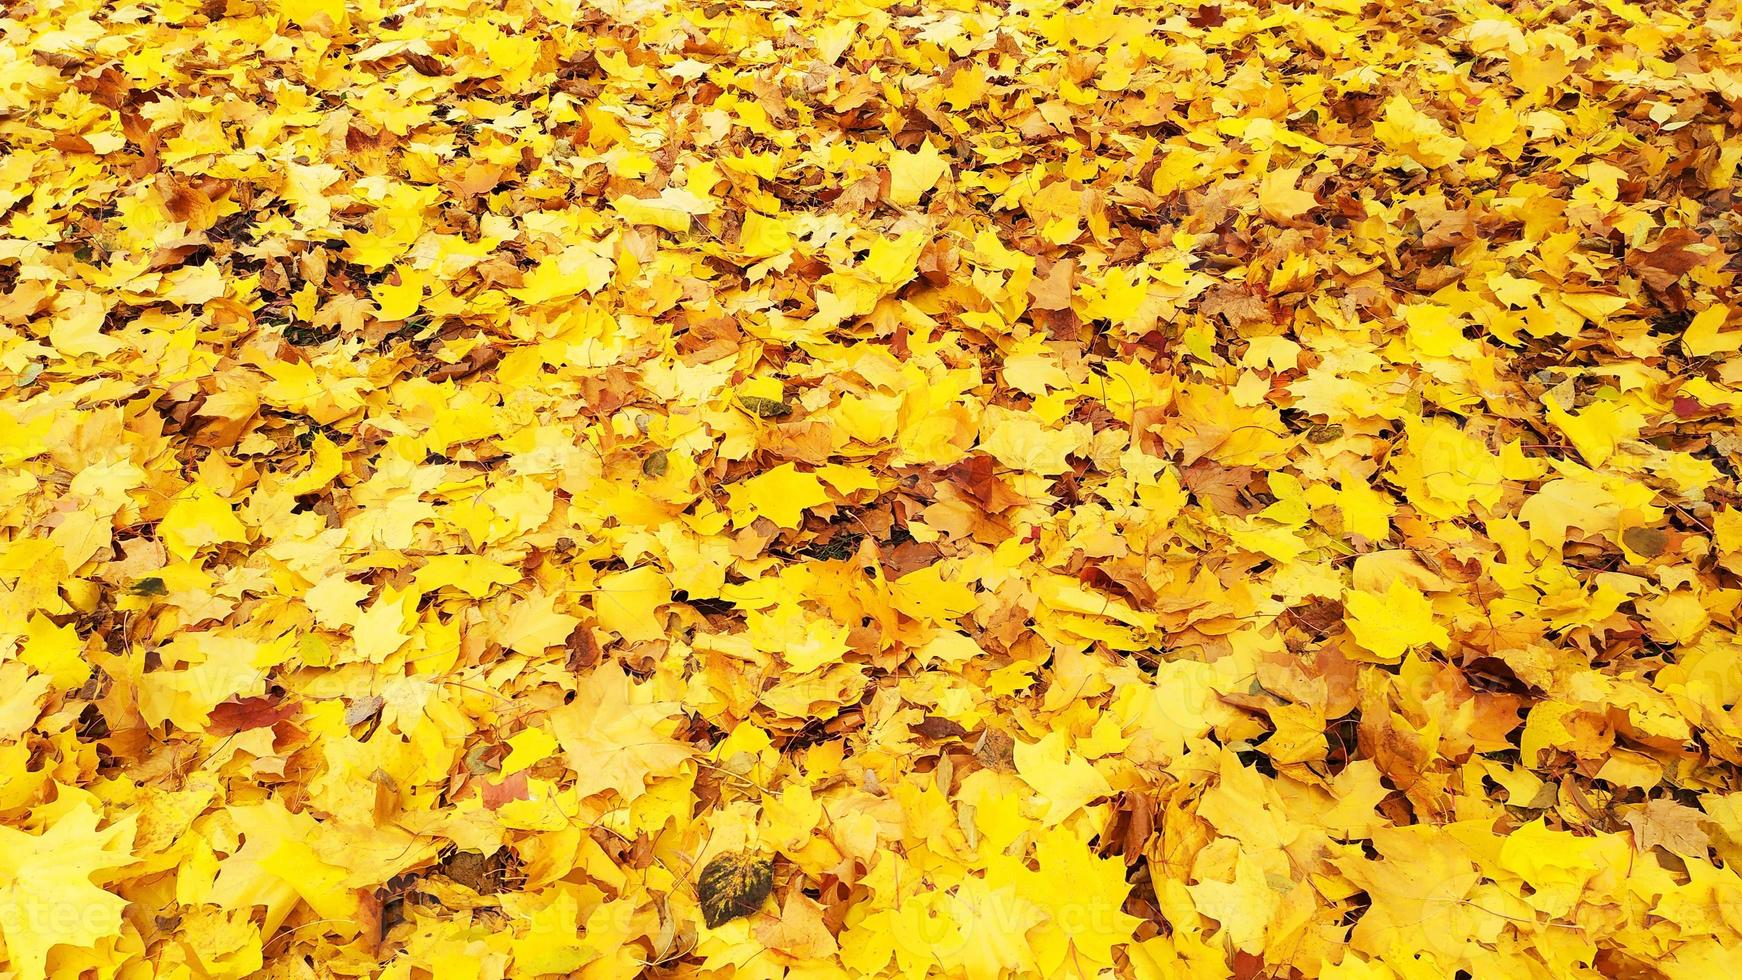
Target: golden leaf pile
[{"x": 1048, "y": 489}]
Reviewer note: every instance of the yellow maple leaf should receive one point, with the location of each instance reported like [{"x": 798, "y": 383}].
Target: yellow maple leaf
[
  {"x": 400, "y": 300},
  {"x": 199, "y": 518},
  {"x": 615, "y": 736},
  {"x": 1063, "y": 780},
  {"x": 1598, "y": 429},
  {"x": 781, "y": 494},
  {"x": 48, "y": 893},
  {"x": 672, "y": 210},
  {"x": 1389, "y": 625},
  {"x": 534, "y": 625},
  {"x": 1704, "y": 335},
  {"x": 1410, "y": 132},
  {"x": 628, "y": 602},
  {"x": 912, "y": 174},
  {"x": 1279, "y": 199}
]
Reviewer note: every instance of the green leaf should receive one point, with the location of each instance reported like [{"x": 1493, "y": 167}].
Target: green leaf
[
  {"x": 150, "y": 585},
  {"x": 733, "y": 885},
  {"x": 767, "y": 408}
]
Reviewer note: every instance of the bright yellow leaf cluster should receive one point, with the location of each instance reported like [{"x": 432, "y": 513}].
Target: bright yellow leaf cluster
[{"x": 1148, "y": 489}]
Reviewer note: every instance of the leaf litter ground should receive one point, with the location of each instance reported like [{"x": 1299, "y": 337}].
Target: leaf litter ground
[{"x": 784, "y": 488}]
